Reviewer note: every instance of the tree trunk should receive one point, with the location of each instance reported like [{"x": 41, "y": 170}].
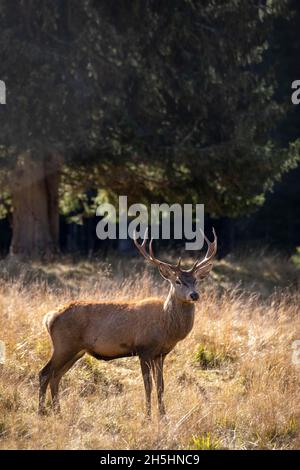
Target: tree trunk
[{"x": 35, "y": 184}]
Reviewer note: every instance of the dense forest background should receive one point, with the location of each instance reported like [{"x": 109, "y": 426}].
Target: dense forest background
[{"x": 173, "y": 101}]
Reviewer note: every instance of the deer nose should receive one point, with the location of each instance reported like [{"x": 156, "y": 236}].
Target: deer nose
[{"x": 194, "y": 296}]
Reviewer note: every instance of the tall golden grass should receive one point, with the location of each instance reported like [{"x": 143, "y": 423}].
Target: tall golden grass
[{"x": 230, "y": 385}]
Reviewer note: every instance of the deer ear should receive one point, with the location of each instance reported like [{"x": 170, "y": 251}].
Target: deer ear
[
  {"x": 166, "y": 272},
  {"x": 203, "y": 271}
]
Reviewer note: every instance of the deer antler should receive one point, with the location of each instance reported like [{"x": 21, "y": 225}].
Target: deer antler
[
  {"x": 198, "y": 265},
  {"x": 210, "y": 254},
  {"x": 150, "y": 256}
]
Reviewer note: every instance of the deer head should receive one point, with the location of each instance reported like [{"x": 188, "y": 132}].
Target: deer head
[{"x": 183, "y": 281}]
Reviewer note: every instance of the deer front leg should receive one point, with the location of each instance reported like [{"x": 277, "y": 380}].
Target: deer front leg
[
  {"x": 159, "y": 380},
  {"x": 146, "y": 372}
]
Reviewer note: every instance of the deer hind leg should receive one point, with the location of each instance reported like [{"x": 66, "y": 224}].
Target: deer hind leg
[
  {"x": 158, "y": 364},
  {"x": 61, "y": 368},
  {"x": 44, "y": 378},
  {"x": 146, "y": 372}
]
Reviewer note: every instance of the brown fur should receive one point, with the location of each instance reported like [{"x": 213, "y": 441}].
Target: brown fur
[{"x": 108, "y": 330}]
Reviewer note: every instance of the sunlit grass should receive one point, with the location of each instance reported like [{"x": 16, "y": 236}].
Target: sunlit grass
[{"x": 230, "y": 385}]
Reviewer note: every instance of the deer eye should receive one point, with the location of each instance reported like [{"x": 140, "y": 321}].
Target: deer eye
[{"x": 177, "y": 281}]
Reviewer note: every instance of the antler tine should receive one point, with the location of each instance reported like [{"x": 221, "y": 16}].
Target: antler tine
[
  {"x": 151, "y": 249},
  {"x": 151, "y": 257},
  {"x": 211, "y": 251},
  {"x": 174, "y": 267},
  {"x": 142, "y": 247},
  {"x": 212, "y": 246}
]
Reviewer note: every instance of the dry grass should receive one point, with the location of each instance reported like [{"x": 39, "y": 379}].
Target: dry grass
[{"x": 231, "y": 384}]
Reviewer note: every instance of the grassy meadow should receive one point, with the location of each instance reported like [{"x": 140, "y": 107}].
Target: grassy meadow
[{"x": 230, "y": 384}]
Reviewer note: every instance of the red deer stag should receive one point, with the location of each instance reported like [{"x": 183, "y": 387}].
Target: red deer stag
[{"x": 148, "y": 328}]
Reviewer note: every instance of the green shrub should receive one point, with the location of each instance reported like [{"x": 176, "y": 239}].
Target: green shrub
[
  {"x": 296, "y": 258},
  {"x": 204, "y": 442},
  {"x": 210, "y": 358}
]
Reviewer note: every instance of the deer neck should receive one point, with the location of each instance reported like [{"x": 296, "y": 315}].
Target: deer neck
[{"x": 179, "y": 316}]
